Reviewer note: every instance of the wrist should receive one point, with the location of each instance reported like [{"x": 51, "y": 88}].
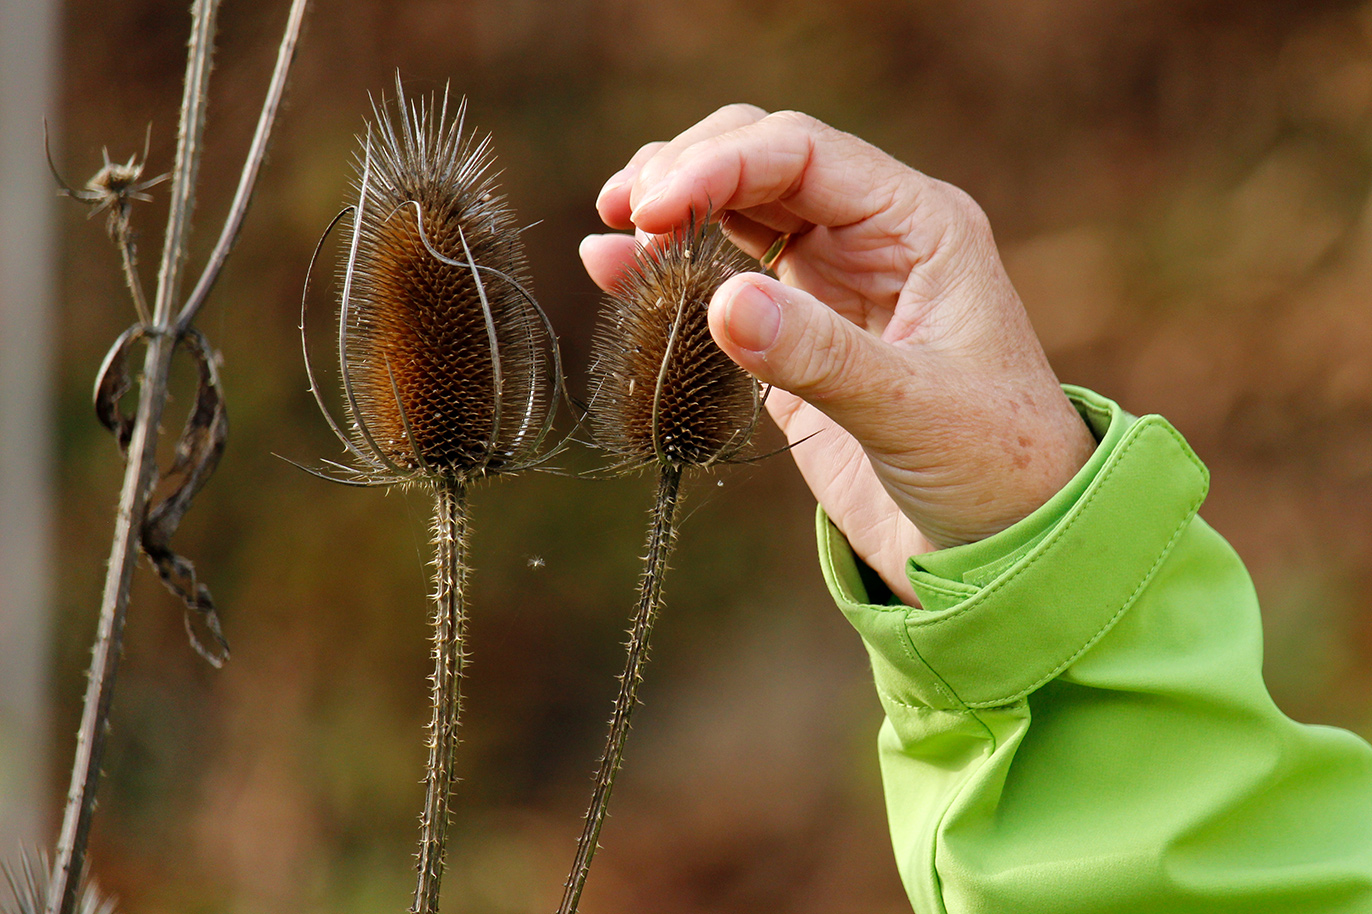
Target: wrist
[
  {"x": 983, "y": 467},
  {"x": 1066, "y": 446}
]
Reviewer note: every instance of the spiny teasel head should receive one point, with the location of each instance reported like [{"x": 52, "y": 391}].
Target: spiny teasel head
[
  {"x": 662, "y": 391},
  {"x": 449, "y": 366}
]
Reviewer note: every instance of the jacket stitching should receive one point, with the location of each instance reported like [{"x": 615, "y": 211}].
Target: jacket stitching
[{"x": 1100, "y": 633}]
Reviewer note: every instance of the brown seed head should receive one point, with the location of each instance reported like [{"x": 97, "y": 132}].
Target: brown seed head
[
  {"x": 448, "y": 369},
  {"x": 661, "y": 390}
]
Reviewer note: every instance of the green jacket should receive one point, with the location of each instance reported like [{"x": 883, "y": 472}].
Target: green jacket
[{"x": 1076, "y": 720}]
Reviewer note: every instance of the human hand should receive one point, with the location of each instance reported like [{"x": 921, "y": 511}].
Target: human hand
[{"x": 905, "y": 366}]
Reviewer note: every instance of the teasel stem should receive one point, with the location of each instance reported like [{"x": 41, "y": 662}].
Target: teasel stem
[
  {"x": 247, "y": 180},
  {"x": 449, "y": 621},
  {"x": 661, "y": 538},
  {"x": 140, "y": 472}
]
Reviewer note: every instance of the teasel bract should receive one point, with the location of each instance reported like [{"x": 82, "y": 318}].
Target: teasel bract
[
  {"x": 663, "y": 395},
  {"x": 449, "y": 367}
]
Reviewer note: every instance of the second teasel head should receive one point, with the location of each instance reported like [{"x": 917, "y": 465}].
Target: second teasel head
[
  {"x": 449, "y": 366},
  {"x": 662, "y": 392}
]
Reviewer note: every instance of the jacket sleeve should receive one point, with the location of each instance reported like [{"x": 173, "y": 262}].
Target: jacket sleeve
[{"x": 1076, "y": 719}]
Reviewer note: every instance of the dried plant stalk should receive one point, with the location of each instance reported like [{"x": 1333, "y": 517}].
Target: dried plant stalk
[
  {"x": 139, "y": 434},
  {"x": 661, "y": 538},
  {"x": 449, "y": 655},
  {"x": 450, "y": 372},
  {"x": 663, "y": 395}
]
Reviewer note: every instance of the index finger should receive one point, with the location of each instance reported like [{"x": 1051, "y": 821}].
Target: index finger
[
  {"x": 821, "y": 175},
  {"x": 649, "y": 163}
]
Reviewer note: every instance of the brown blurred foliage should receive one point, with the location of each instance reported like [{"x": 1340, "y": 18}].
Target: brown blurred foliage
[{"x": 1181, "y": 192}]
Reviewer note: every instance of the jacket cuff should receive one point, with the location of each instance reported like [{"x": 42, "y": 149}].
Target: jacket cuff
[{"x": 1005, "y": 615}]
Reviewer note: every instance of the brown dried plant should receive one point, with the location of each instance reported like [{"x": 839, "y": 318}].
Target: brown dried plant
[
  {"x": 450, "y": 371},
  {"x": 663, "y": 396},
  {"x": 143, "y": 526}
]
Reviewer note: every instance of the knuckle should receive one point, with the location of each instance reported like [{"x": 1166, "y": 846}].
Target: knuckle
[
  {"x": 969, "y": 218},
  {"x": 741, "y": 112},
  {"x": 825, "y": 362},
  {"x": 796, "y": 120}
]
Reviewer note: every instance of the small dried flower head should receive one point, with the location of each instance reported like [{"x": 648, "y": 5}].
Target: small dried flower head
[
  {"x": 662, "y": 391},
  {"x": 114, "y": 187},
  {"x": 449, "y": 366},
  {"x": 118, "y": 181}
]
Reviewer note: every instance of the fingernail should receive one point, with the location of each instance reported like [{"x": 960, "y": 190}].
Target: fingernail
[
  {"x": 753, "y": 318},
  {"x": 616, "y": 180},
  {"x": 649, "y": 201}
]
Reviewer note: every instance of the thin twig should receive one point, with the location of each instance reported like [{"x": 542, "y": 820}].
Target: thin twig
[
  {"x": 129, "y": 261},
  {"x": 248, "y": 179},
  {"x": 450, "y": 579},
  {"x": 661, "y": 535}
]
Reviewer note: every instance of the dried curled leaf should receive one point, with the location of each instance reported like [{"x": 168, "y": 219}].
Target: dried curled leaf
[
  {"x": 197, "y": 454},
  {"x": 112, "y": 382},
  {"x": 661, "y": 389},
  {"x": 198, "y": 451}
]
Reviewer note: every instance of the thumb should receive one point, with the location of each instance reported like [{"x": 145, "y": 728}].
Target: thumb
[{"x": 792, "y": 340}]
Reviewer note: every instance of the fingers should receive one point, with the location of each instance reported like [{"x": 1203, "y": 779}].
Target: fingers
[
  {"x": 722, "y": 121},
  {"x": 784, "y": 166},
  {"x": 647, "y": 165},
  {"x": 606, "y": 257},
  {"x": 613, "y": 201}
]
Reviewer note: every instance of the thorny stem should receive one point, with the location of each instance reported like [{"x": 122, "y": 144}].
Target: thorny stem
[
  {"x": 449, "y": 654},
  {"x": 188, "y": 151},
  {"x": 661, "y": 536},
  {"x": 140, "y": 472}
]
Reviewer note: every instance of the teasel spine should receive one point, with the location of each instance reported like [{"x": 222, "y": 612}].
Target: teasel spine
[{"x": 676, "y": 279}]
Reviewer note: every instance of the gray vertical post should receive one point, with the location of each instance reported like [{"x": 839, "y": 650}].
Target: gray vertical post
[{"x": 27, "y": 69}]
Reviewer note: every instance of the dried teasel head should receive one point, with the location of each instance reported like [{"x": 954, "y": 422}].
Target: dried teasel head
[
  {"x": 662, "y": 391},
  {"x": 449, "y": 366}
]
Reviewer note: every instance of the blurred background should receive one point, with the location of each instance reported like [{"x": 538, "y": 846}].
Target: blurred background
[{"x": 1182, "y": 190}]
